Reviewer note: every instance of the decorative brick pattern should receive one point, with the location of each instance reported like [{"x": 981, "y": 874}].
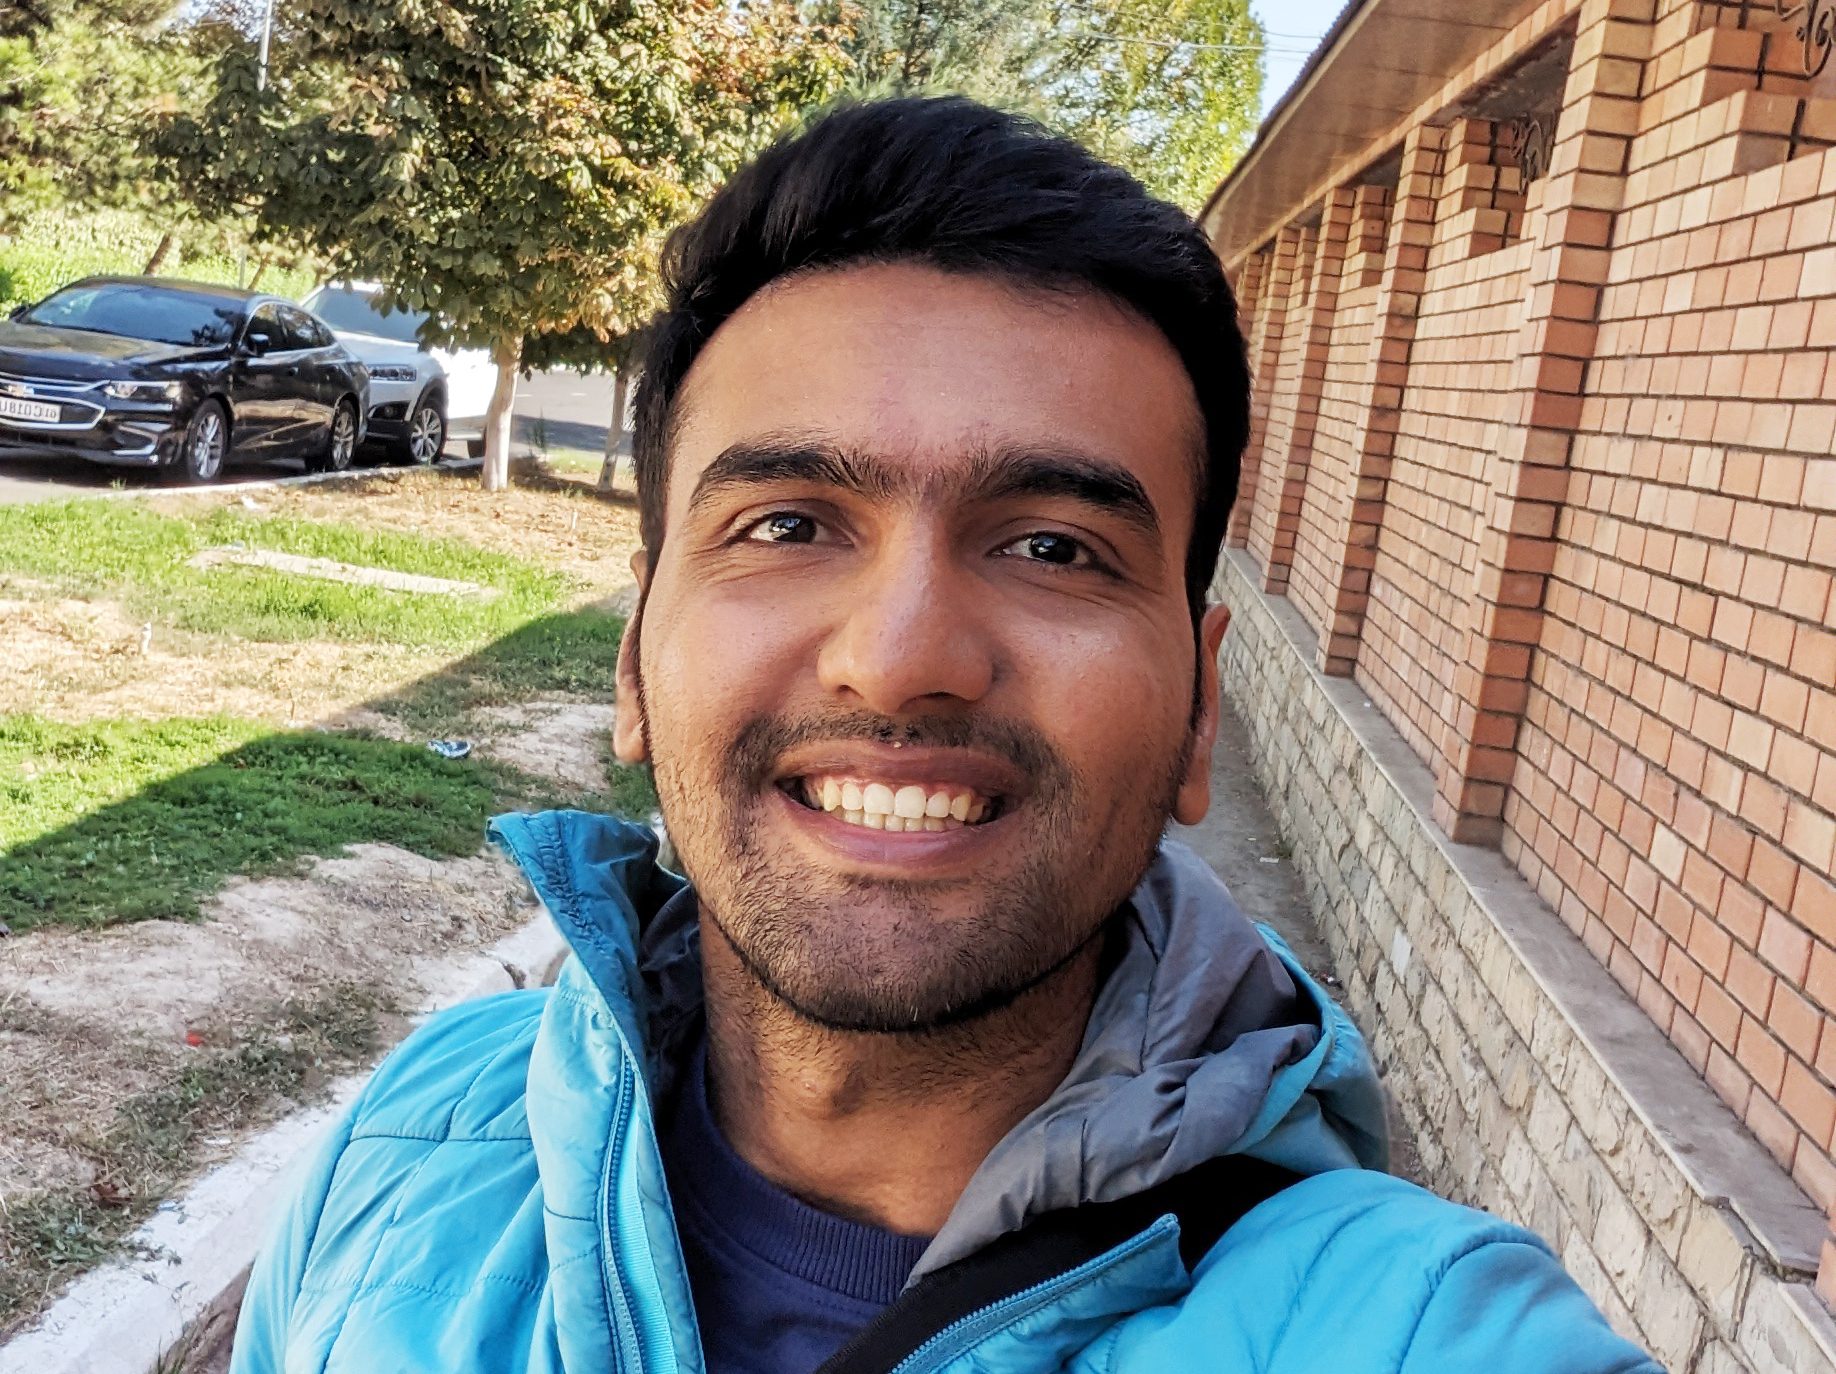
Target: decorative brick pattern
[
  {"x": 1275, "y": 371},
  {"x": 1295, "y": 403},
  {"x": 1321, "y": 482},
  {"x": 1345, "y": 569},
  {"x": 1450, "y": 419},
  {"x": 1528, "y": 477},
  {"x": 1554, "y": 483}
]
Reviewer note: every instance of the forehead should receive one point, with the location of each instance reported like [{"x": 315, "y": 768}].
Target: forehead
[{"x": 919, "y": 366}]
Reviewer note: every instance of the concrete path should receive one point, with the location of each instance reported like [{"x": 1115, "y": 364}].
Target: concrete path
[{"x": 1242, "y": 842}]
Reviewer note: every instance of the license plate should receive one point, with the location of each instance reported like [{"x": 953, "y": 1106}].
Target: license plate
[{"x": 43, "y": 412}]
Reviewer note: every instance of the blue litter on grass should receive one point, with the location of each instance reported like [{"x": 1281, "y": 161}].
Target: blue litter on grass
[{"x": 450, "y": 748}]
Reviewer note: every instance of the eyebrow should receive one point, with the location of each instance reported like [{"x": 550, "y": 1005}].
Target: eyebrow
[{"x": 999, "y": 474}]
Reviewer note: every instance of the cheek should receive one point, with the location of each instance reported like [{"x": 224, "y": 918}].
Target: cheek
[
  {"x": 1115, "y": 700},
  {"x": 713, "y": 660}
]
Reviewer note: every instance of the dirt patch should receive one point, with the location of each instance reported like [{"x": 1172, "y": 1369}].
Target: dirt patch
[
  {"x": 561, "y": 742},
  {"x": 87, "y": 660},
  {"x": 89, "y": 1019}
]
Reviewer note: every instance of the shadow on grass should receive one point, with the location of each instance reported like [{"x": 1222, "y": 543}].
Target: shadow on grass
[
  {"x": 104, "y": 823},
  {"x": 109, "y": 822}
]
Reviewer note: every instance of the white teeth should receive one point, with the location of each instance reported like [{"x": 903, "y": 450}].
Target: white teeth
[{"x": 904, "y": 810}]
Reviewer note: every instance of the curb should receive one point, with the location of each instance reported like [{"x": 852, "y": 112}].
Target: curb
[
  {"x": 180, "y": 1290},
  {"x": 304, "y": 479}
]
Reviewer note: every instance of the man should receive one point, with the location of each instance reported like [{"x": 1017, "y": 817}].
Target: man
[{"x": 943, "y": 1059}]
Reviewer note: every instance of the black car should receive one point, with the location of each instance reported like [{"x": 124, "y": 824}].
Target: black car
[{"x": 146, "y": 371}]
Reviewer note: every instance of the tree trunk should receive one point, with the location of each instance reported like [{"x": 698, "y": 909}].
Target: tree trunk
[
  {"x": 615, "y": 431},
  {"x": 496, "y": 473},
  {"x": 167, "y": 242},
  {"x": 261, "y": 266}
]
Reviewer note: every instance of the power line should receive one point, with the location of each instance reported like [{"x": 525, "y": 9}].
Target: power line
[{"x": 1192, "y": 46}]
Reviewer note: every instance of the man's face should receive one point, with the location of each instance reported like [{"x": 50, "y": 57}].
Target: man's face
[{"x": 916, "y": 664}]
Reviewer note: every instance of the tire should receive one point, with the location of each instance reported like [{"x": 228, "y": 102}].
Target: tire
[
  {"x": 425, "y": 438},
  {"x": 340, "y": 440},
  {"x": 207, "y": 443}
]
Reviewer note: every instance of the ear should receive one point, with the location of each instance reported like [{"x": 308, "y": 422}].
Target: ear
[
  {"x": 630, "y": 737},
  {"x": 1195, "y": 788}
]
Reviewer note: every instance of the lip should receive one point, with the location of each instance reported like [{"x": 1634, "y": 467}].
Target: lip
[
  {"x": 897, "y": 765},
  {"x": 904, "y": 855}
]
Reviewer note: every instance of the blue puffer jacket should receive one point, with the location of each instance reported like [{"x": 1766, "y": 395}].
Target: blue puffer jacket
[{"x": 1201, "y": 1194}]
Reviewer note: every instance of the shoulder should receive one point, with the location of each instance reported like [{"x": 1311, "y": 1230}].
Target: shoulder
[
  {"x": 1359, "y": 1261},
  {"x": 463, "y": 1073}
]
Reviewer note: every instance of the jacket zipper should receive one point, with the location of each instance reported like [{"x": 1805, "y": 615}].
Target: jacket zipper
[
  {"x": 966, "y": 1332},
  {"x": 630, "y": 1351}
]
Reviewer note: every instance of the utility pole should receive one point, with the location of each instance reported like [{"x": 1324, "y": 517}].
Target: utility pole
[
  {"x": 261, "y": 84},
  {"x": 267, "y": 31}
]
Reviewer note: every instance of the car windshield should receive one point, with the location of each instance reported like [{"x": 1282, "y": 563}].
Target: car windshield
[
  {"x": 133, "y": 311},
  {"x": 356, "y": 312}
]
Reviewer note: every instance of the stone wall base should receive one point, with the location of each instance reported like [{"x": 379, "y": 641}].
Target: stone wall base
[{"x": 1532, "y": 1085}]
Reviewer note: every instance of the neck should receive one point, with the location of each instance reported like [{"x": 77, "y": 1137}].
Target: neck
[{"x": 885, "y": 1129}]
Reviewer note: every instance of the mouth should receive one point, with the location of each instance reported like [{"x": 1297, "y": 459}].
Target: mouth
[{"x": 897, "y": 807}]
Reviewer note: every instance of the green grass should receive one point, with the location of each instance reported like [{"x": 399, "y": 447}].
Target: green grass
[
  {"x": 46, "y": 1237},
  {"x": 127, "y": 820},
  {"x": 123, "y": 549},
  {"x": 55, "y": 247},
  {"x": 113, "y": 821},
  {"x": 573, "y": 653}
]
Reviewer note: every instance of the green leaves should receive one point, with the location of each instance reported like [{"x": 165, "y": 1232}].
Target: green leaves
[
  {"x": 1169, "y": 89},
  {"x": 511, "y": 166}
]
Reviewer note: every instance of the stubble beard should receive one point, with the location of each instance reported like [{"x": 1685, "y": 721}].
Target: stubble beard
[{"x": 826, "y": 948}]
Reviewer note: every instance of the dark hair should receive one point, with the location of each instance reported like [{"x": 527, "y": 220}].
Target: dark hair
[{"x": 964, "y": 188}]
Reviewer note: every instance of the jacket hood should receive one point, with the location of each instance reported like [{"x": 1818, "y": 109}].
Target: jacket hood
[{"x": 1206, "y": 1037}]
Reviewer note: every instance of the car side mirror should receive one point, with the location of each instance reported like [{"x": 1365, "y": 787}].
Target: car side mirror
[
  {"x": 18, "y": 312},
  {"x": 258, "y": 342}
]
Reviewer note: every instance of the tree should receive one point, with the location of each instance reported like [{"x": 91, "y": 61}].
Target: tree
[
  {"x": 78, "y": 82},
  {"x": 977, "y": 47},
  {"x": 1169, "y": 89},
  {"x": 508, "y": 166}
]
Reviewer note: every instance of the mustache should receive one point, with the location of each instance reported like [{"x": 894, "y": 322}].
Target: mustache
[{"x": 765, "y": 739}]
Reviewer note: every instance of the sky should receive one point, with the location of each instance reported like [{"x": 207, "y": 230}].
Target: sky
[{"x": 1295, "y": 28}]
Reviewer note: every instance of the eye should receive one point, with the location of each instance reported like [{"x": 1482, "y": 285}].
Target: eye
[
  {"x": 1047, "y": 546},
  {"x": 784, "y": 527}
]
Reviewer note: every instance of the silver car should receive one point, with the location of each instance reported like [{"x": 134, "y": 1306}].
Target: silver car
[{"x": 416, "y": 392}]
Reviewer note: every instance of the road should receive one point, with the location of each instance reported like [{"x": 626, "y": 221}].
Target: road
[{"x": 564, "y": 409}]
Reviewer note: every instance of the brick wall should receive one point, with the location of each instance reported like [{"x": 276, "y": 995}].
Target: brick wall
[
  {"x": 1323, "y": 522},
  {"x": 1551, "y": 476},
  {"x": 1530, "y": 1087},
  {"x": 1427, "y": 549},
  {"x": 1675, "y": 795}
]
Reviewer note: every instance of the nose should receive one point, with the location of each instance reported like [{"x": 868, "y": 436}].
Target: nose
[{"x": 912, "y": 636}]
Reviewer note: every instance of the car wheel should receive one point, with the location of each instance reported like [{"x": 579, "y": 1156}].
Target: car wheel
[
  {"x": 425, "y": 438},
  {"x": 206, "y": 443},
  {"x": 340, "y": 440}
]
